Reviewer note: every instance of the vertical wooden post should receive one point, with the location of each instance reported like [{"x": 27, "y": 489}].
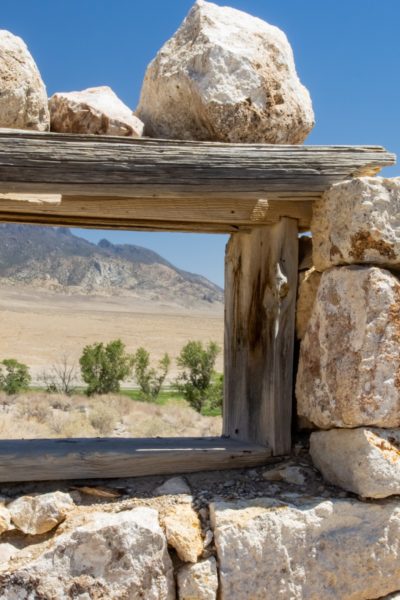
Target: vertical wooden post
[{"x": 260, "y": 298}]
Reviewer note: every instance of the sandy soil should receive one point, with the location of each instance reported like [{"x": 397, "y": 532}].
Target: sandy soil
[{"x": 38, "y": 327}]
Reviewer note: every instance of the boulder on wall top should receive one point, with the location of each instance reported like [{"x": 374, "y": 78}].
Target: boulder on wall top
[
  {"x": 23, "y": 98},
  {"x": 225, "y": 76}
]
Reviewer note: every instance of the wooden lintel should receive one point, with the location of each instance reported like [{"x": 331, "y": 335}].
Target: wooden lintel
[
  {"x": 42, "y": 460},
  {"x": 194, "y": 214},
  {"x": 260, "y": 296},
  {"x": 34, "y": 162}
]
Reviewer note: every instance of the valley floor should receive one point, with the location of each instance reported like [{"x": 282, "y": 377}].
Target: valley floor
[
  {"x": 39, "y": 327},
  {"x": 39, "y": 415}
]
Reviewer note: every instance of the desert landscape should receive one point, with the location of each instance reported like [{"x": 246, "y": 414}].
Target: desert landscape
[
  {"x": 38, "y": 326},
  {"x": 61, "y": 293}
]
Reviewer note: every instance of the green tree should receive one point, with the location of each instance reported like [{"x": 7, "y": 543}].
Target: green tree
[
  {"x": 14, "y": 376},
  {"x": 103, "y": 367},
  {"x": 148, "y": 379},
  {"x": 197, "y": 364}
]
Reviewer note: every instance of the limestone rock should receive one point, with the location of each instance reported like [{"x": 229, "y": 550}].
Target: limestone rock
[
  {"x": 199, "y": 581},
  {"x": 183, "y": 530},
  {"x": 4, "y": 519},
  {"x": 308, "y": 287},
  {"x": 358, "y": 221},
  {"x": 113, "y": 556},
  {"x": 349, "y": 367},
  {"x": 23, "y": 98},
  {"x": 310, "y": 549},
  {"x": 173, "y": 486},
  {"x": 363, "y": 461},
  {"x": 225, "y": 76},
  {"x": 39, "y": 514},
  {"x": 96, "y": 110}
]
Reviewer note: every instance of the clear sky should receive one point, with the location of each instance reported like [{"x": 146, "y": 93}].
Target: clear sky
[{"x": 347, "y": 53}]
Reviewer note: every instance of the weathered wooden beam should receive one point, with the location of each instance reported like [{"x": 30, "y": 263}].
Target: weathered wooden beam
[
  {"x": 42, "y": 460},
  {"x": 260, "y": 295},
  {"x": 193, "y": 214},
  {"x": 34, "y": 162}
]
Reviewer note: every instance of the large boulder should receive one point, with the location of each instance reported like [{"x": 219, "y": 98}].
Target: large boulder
[
  {"x": 363, "y": 461},
  {"x": 96, "y": 110},
  {"x": 358, "y": 221},
  {"x": 23, "y": 98},
  {"x": 225, "y": 76},
  {"x": 310, "y": 549},
  {"x": 113, "y": 556},
  {"x": 349, "y": 367},
  {"x": 38, "y": 514}
]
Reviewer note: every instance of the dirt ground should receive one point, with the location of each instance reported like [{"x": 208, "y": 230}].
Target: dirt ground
[{"x": 39, "y": 327}]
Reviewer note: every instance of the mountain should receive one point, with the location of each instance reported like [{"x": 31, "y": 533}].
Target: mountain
[{"x": 57, "y": 260}]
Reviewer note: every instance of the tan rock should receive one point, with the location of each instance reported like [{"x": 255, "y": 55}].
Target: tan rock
[
  {"x": 307, "y": 291},
  {"x": 183, "y": 530},
  {"x": 310, "y": 549},
  {"x": 225, "y": 76},
  {"x": 110, "y": 557},
  {"x": 358, "y": 221},
  {"x": 23, "y": 98},
  {"x": 287, "y": 473},
  {"x": 96, "y": 110},
  {"x": 199, "y": 581},
  {"x": 349, "y": 367},
  {"x": 4, "y": 519},
  {"x": 39, "y": 514},
  {"x": 363, "y": 461}
]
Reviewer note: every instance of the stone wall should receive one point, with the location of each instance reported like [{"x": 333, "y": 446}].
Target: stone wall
[{"x": 348, "y": 382}]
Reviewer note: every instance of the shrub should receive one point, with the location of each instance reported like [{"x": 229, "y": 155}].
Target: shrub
[
  {"x": 196, "y": 380},
  {"x": 149, "y": 380},
  {"x": 14, "y": 376},
  {"x": 103, "y": 367},
  {"x": 62, "y": 377},
  {"x": 103, "y": 418}
]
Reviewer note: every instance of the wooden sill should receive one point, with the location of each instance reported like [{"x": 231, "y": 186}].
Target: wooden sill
[{"x": 84, "y": 458}]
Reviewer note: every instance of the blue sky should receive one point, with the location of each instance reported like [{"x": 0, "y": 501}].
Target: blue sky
[{"x": 347, "y": 53}]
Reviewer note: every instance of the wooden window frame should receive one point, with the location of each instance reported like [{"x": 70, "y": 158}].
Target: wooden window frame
[{"x": 262, "y": 196}]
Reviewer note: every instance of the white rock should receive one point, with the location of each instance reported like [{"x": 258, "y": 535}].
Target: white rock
[
  {"x": 7, "y": 551},
  {"x": 349, "y": 367},
  {"x": 183, "y": 530},
  {"x": 23, "y": 98},
  {"x": 363, "y": 461},
  {"x": 199, "y": 581},
  {"x": 307, "y": 291},
  {"x": 4, "y": 519},
  {"x": 358, "y": 221},
  {"x": 113, "y": 556},
  {"x": 39, "y": 514},
  {"x": 173, "y": 487},
  {"x": 312, "y": 549},
  {"x": 96, "y": 110},
  {"x": 225, "y": 76}
]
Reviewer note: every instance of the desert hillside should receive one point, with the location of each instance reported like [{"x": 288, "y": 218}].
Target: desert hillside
[
  {"x": 60, "y": 292},
  {"x": 55, "y": 259}
]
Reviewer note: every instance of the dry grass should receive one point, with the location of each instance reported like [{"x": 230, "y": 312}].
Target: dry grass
[{"x": 41, "y": 415}]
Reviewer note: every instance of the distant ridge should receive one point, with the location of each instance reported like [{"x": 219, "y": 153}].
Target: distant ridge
[{"x": 58, "y": 260}]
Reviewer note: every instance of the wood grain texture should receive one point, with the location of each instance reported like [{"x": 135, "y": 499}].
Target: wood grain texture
[
  {"x": 194, "y": 214},
  {"x": 43, "y": 460},
  {"x": 260, "y": 295},
  {"x": 72, "y": 164}
]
